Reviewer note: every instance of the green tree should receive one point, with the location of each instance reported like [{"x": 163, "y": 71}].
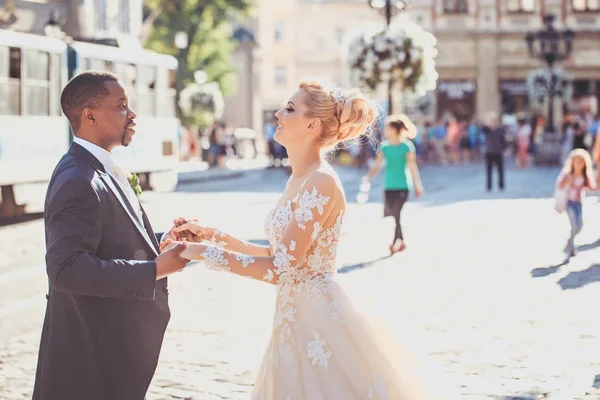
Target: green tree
[{"x": 210, "y": 43}]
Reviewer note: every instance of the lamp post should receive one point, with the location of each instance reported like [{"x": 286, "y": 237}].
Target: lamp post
[
  {"x": 552, "y": 46},
  {"x": 52, "y": 27},
  {"x": 389, "y": 8}
]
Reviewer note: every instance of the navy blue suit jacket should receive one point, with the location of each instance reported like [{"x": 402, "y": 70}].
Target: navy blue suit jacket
[{"x": 106, "y": 314}]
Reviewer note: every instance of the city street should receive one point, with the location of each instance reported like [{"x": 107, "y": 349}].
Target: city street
[{"x": 483, "y": 285}]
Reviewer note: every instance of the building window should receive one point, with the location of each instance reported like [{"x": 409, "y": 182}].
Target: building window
[
  {"x": 456, "y": 6},
  {"x": 586, "y": 5},
  {"x": 37, "y": 82},
  {"x": 280, "y": 76},
  {"x": 520, "y": 6},
  {"x": 278, "y": 32},
  {"x": 10, "y": 80}
]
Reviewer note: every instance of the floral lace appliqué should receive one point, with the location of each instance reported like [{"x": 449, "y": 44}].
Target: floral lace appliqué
[
  {"x": 316, "y": 351},
  {"x": 245, "y": 259},
  {"x": 379, "y": 390},
  {"x": 214, "y": 240},
  {"x": 306, "y": 203},
  {"x": 215, "y": 259}
]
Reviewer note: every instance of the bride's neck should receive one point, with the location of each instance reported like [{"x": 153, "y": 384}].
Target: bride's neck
[{"x": 304, "y": 160}]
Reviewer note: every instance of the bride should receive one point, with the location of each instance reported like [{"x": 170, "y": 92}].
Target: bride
[{"x": 321, "y": 346}]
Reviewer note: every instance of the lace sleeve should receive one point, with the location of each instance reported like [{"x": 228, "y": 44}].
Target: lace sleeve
[{"x": 317, "y": 203}]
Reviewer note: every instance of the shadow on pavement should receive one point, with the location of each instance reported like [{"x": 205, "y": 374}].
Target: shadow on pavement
[
  {"x": 21, "y": 219},
  {"x": 545, "y": 271},
  {"x": 589, "y": 246},
  {"x": 367, "y": 264},
  {"x": 578, "y": 279},
  {"x": 533, "y": 395}
]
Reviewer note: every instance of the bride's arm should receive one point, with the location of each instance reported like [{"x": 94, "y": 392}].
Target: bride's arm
[
  {"x": 233, "y": 244},
  {"x": 198, "y": 233},
  {"x": 313, "y": 209}
]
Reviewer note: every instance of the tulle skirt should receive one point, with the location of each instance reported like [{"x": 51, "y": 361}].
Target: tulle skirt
[{"x": 332, "y": 346}]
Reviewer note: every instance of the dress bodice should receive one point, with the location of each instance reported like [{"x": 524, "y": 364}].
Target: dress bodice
[{"x": 321, "y": 256}]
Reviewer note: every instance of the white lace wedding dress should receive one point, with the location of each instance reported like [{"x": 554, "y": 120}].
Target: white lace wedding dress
[{"x": 321, "y": 346}]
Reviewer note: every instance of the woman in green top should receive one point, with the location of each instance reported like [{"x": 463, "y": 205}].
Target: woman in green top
[{"x": 399, "y": 153}]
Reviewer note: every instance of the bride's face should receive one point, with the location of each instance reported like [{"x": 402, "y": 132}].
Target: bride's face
[{"x": 293, "y": 125}]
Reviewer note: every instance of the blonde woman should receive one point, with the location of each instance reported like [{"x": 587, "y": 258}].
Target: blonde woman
[{"x": 321, "y": 346}]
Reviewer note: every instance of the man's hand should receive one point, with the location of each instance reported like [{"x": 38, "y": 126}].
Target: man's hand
[{"x": 170, "y": 260}]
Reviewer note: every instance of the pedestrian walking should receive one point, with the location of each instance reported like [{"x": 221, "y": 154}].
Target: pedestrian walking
[
  {"x": 495, "y": 140},
  {"x": 523, "y": 142},
  {"x": 576, "y": 177},
  {"x": 399, "y": 154}
]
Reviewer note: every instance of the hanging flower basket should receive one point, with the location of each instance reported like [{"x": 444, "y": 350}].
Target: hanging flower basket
[
  {"x": 403, "y": 53},
  {"x": 539, "y": 83},
  {"x": 196, "y": 98}
]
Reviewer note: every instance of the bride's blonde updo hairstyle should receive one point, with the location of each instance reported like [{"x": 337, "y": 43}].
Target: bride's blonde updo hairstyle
[{"x": 344, "y": 114}]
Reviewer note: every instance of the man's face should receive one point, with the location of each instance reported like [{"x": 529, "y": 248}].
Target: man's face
[{"x": 114, "y": 118}]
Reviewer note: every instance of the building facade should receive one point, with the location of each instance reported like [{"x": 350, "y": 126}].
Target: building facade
[{"x": 482, "y": 61}]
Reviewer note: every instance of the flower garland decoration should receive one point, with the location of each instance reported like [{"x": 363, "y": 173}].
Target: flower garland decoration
[
  {"x": 404, "y": 53},
  {"x": 539, "y": 83}
]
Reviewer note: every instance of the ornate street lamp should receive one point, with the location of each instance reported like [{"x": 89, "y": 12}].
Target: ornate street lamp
[
  {"x": 552, "y": 46},
  {"x": 53, "y": 27},
  {"x": 389, "y": 8}
]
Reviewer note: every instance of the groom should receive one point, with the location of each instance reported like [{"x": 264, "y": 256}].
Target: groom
[{"x": 107, "y": 305}]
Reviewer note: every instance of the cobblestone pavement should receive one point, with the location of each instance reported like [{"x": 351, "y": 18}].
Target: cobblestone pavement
[{"x": 482, "y": 284}]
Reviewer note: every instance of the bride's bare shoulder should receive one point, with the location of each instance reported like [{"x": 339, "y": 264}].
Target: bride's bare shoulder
[{"x": 325, "y": 180}]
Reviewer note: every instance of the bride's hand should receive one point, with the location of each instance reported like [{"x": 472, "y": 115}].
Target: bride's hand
[
  {"x": 168, "y": 244},
  {"x": 192, "y": 230}
]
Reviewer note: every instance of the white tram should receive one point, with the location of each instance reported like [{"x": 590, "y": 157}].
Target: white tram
[{"x": 34, "y": 133}]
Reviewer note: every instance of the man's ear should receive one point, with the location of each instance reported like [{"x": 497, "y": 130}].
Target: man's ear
[{"x": 87, "y": 117}]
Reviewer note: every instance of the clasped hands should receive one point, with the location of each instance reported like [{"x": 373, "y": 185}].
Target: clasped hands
[{"x": 185, "y": 231}]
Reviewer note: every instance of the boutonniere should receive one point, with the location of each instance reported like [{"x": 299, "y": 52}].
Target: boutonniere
[{"x": 134, "y": 182}]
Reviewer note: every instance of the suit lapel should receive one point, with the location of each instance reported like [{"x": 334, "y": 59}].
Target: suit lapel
[
  {"x": 109, "y": 181},
  {"x": 114, "y": 187},
  {"x": 149, "y": 229}
]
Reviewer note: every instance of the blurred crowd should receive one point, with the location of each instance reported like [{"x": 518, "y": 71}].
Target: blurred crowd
[
  {"x": 216, "y": 143},
  {"x": 448, "y": 141}
]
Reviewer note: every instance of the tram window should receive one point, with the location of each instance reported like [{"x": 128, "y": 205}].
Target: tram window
[
  {"x": 37, "y": 82},
  {"x": 118, "y": 69},
  {"x": 55, "y": 84},
  {"x": 130, "y": 80},
  {"x": 10, "y": 80},
  {"x": 146, "y": 84},
  {"x": 165, "y": 92},
  {"x": 84, "y": 64}
]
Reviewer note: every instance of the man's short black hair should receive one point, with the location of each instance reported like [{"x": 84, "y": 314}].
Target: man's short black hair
[{"x": 85, "y": 90}]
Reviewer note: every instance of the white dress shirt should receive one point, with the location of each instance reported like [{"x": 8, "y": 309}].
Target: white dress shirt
[{"x": 107, "y": 159}]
